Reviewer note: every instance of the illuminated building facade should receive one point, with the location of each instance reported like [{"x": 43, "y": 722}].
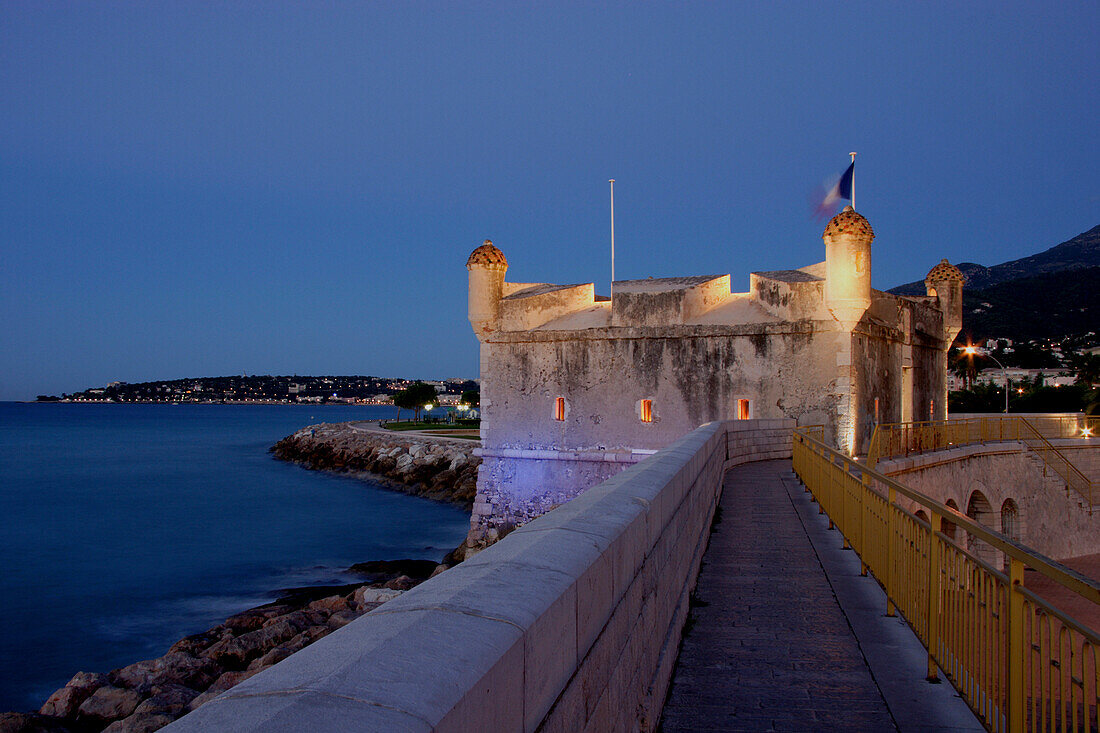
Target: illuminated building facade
[{"x": 574, "y": 386}]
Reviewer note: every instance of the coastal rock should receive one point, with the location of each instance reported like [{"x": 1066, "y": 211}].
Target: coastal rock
[
  {"x": 330, "y": 604},
  {"x": 196, "y": 643},
  {"x": 64, "y": 702},
  {"x": 235, "y": 653},
  {"x": 368, "y": 595},
  {"x": 33, "y": 723},
  {"x": 140, "y": 723},
  {"x": 379, "y": 568},
  {"x": 341, "y": 619},
  {"x": 110, "y": 703},
  {"x": 307, "y": 637},
  {"x": 274, "y": 656},
  {"x": 169, "y": 699},
  {"x": 414, "y": 462},
  {"x": 225, "y": 682},
  {"x": 402, "y": 583},
  {"x": 173, "y": 668}
]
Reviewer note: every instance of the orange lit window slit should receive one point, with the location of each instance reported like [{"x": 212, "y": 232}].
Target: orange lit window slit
[
  {"x": 559, "y": 408},
  {"x": 647, "y": 410},
  {"x": 742, "y": 409}
]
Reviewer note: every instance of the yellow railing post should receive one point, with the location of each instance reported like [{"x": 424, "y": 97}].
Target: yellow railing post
[
  {"x": 864, "y": 550},
  {"x": 891, "y": 552},
  {"x": 1016, "y": 701},
  {"x": 933, "y": 595}
]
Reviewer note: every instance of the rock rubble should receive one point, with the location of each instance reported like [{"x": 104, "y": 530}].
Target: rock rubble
[
  {"x": 444, "y": 470},
  {"x": 147, "y": 695}
]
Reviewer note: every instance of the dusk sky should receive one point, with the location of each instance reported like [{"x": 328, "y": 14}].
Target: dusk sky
[{"x": 201, "y": 189}]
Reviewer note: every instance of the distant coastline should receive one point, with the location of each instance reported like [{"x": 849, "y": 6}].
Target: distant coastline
[{"x": 266, "y": 389}]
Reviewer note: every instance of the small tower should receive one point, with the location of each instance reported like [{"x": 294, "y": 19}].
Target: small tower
[
  {"x": 945, "y": 282},
  {"x": 848, "y": 239},
  {"x": 487, "y": 267}
]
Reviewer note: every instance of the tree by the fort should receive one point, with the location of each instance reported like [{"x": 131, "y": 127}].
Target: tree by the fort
[{"x": 471, "y": 397}]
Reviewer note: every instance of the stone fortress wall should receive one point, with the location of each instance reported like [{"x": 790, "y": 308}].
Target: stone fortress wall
[{"x": 575, "y": 387}]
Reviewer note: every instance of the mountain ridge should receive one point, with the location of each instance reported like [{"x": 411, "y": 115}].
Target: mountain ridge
[{"x": 1081, "y": 251}]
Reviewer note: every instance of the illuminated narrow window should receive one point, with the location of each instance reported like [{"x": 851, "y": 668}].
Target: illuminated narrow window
[
  {"x": 876, "y": 410},
  {"x": 559, "y": 409},
  {"x": 931, "y": 409},
  {"x": 646, "y": 412},
  {"x": 743, "y": 409}
]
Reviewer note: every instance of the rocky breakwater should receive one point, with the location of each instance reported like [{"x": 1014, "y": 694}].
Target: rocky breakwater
[
  {"x": 148, "y": 695},
  {"x": 423, "y": 465}
]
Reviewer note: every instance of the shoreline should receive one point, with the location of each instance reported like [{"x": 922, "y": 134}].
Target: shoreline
[
  {"x": 149, "y": 694},
  {"x": 430, "y": 466}
]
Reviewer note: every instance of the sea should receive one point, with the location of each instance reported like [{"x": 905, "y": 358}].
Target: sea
[{"x": 124, "y": 528}]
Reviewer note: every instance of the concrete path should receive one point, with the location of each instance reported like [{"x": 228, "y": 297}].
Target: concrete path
[{"x": 786, "y": 635}]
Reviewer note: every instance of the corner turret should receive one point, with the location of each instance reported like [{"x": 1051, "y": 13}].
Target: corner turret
[
  {"x": 487, "y": 267},
  {"x": 847, "y": 240},
  {"x": 945, "y": 282}
]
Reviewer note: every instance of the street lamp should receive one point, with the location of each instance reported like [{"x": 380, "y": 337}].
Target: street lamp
[{"x": 971, "y": 350}]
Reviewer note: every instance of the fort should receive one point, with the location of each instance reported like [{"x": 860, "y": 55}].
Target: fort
[{"x": 574, "y": 386}]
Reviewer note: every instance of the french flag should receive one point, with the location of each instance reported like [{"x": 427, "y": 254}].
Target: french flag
[{"x": 842, "y": 190}]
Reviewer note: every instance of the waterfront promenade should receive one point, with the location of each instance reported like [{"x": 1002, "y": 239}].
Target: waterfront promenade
[{"x": 784, "y": 633}]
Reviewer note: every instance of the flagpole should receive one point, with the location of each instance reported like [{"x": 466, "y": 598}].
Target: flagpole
[
  {"x": 612, "y": 182},
  {"x": 853, "y": 180}
]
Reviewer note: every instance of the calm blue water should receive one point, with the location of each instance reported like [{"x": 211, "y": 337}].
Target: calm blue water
[{"x": 126, "y": 527}]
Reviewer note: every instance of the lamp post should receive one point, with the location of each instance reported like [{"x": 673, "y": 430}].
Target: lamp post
[{"x": 971, "y": 350}]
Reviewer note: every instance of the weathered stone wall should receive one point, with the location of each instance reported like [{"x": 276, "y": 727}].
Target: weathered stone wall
[
  {"x": 533, "y": 462},
  {"x": 1051, "y": 519},
  {"x": 423, "y": 465},
  {"x": 570, "y": 623}
]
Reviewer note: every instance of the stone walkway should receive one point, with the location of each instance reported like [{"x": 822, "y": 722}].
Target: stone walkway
[{"x": 771, "y": 644}]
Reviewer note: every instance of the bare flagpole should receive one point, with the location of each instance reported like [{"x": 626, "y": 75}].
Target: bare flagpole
[
  {"x": 853, "y": 180},
  {"x": 612, "y": 182}
]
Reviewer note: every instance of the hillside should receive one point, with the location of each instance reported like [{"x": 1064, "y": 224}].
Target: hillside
[
  {"x": 1050, "y": 305},
  {"x": 1082, "y": 251}
]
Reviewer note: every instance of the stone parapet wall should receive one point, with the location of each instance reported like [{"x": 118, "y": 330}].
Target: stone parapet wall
[{"x": 570, "y": 623}]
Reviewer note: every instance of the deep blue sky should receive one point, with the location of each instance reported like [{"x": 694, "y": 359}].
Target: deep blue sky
[{"x": 196, "y": 189}]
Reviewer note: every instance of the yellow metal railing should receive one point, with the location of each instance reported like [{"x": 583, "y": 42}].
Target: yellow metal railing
[
  {"x": 903, "y": 439},
  {"x": 1019, "y": 662}
]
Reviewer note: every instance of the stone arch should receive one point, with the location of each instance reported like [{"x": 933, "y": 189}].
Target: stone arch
[
  {"x": 921, "y": 514},
  {"x": 980, "y": 510},
  {"x": 948, "y": 527},
  {"x": 1010, "y": 523}
]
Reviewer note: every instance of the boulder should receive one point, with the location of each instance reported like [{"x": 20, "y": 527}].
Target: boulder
[
  {"x": 169, "y": 699},
  {"x": 341, "y": 619},
  {"x": 245, "y": 622},
  {"x": 330, "y": 604},
  {"x": 173, "y": 668},
  {"x": 196, "y": 643},
  {"x": 110, "y": 703},
  {"x": 307, "y": 637},
  {"x": 140, "y": 723},
  {"x": 235, "y": 653},
  {"x": 64, "y": 702},
  {"x": 402, "y": 583},
  {"x": 33, "y": 723},
  {"x": 366, "y": 594},
  {"x": 274, "y": 656}
]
